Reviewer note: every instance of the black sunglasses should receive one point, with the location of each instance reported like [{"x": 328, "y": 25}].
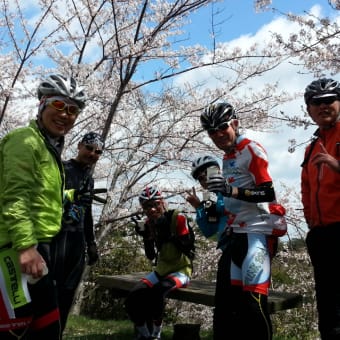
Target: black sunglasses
[
  {"x": 92, "y": 148},
  {"x": 221, "y": 127},
  {"x": 151, "y": 204},
  {"x": 325, "y": 100}
]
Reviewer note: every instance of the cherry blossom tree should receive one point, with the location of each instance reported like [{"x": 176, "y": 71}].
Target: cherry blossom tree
[
  {"x": 128, "y": 55},
  {"x": 135, "y": 59}
]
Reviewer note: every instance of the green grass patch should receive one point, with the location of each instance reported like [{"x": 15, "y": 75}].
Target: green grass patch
[{"x": 82, "y": 328}]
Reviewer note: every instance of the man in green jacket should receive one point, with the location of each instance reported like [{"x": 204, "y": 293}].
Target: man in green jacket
[{"x": 31, "y": 201}]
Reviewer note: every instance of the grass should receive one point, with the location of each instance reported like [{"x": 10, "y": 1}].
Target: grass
[{"x": 82, "y": 328}]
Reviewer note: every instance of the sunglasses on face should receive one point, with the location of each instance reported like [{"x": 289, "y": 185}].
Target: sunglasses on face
[
  {"x": 59, "y": 105},
  {"x": 92, "y": 148},
  {"x": 151, "y": 204},
  {"x": 222, "y": 127},
  {"x": 325, "y": 100}
]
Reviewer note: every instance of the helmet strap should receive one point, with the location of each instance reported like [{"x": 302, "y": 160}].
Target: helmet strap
[
  {"x": 231, "y": 149},
  {"x": 41, "y": 107},
  {"x": 235, "y": 127}
]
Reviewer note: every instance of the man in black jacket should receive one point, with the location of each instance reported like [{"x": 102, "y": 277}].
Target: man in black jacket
[{"x": 76, "y": 238}]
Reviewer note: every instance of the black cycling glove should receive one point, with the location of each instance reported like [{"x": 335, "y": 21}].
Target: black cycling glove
[{"x": 218, "y": 183}]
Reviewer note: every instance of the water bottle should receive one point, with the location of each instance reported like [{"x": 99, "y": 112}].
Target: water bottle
[
  {"x": 206, "y": 195},
  {"x": 212, "y": 170}
]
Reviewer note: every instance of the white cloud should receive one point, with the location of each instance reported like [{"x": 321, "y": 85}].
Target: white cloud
[{"x": 284, "y": 166}]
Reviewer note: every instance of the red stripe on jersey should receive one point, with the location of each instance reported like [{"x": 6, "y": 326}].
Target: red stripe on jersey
[
  {"x": 259, "y": 168},
  {"x": 182, "y": 228},
  {"x": 46, "y": 320}
]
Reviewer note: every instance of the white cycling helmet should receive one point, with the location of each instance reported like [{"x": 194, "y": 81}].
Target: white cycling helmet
[
  {"x": 57, "y": 84},
  {"x": 202, "y": 163},
  {"x": 150, "y": 193}
]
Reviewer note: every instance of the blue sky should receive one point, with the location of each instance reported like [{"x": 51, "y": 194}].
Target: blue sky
[
  {"x": 240, "y": 18},
  {"x": 242, "y": 26}
]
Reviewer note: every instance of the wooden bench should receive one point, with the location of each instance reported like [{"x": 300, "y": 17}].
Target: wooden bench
[{"x": 200, "y": 292}]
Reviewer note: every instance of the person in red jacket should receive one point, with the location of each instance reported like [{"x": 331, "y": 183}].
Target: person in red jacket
[{"x": 320, "y": 190}]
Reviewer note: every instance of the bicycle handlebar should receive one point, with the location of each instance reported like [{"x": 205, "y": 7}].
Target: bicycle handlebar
[{"x": 99, "y": 191}]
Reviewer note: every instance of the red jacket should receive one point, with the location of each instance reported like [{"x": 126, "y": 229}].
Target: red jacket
[{"x": 320, "y": 185}]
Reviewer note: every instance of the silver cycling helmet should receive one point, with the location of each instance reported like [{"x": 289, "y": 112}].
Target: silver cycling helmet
[
  {"x": 202, "y": 163},
  {"x": 150, "y": 193},
  {"x": 57, "y": 84},
  {"x": 322, "y": 88},
  {"x": 217, "y": 114}
]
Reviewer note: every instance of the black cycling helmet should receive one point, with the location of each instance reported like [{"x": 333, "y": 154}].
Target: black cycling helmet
[
  {"x": 322, "y": 88},
  {"x": 202, "y": 163},
  {"x": 57, "y": 84},
  {"x": 150, "y": 193},
  {"x": 217, "y": 114}
]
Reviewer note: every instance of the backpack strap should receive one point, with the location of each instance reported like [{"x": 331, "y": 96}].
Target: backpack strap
[
  {"x": 188, "y": 250},
  {"x": 173, "y": 224},
  {"x": 311, "y": 147}
]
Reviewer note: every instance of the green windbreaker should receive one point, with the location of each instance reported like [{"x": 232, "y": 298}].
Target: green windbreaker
[
  {"x": 31, "y": 186},
  {"x": 171, "y": 260}
]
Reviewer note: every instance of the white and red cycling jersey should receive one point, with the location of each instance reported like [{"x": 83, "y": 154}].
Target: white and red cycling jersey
[{"x": 247, "y": 167}]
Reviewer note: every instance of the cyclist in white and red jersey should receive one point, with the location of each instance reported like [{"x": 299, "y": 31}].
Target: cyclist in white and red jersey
[
  {"x": 255, "y": 221},
  {"x": 320, "y": 191}
]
